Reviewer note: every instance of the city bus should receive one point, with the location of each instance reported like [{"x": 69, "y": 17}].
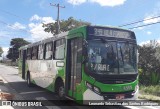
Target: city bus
[{"x": 86, "y": 63}]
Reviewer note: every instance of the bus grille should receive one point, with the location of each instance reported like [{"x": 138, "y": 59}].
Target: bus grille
[{"x": 116, "y": 79}]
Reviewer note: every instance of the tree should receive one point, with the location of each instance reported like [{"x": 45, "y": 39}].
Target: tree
[
  {"x": 15, "y": 44},
  {"x": 149, "y": 62},
  {"x": 1, "y": 51},
  {"x": 65, "y": 25}
]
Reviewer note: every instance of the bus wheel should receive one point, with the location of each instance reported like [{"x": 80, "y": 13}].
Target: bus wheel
[
  {"x": 60, "y": 90},
  {"x": 29, "y": 80}
]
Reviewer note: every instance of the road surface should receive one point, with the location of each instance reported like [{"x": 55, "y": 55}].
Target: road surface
[{"x": 16, "y": 83}]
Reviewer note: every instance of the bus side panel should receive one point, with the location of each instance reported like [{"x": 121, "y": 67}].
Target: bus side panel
[{"x": 44, "y": 73}]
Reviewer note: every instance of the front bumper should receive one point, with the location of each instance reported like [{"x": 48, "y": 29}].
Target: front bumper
[{"x": 91, "y": 95}]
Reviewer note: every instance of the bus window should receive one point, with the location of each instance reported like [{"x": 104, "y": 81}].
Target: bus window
[
  {"x": 28, "y": 53},
  {"x": 59, "y": 49},
  {"x": 34, "y": 53},
  {"x": 40, "y": 51},
  {"x": 48, "y": 50},
  {"x": 102, "y": 57},
  {"x": 127, "y": 58}
]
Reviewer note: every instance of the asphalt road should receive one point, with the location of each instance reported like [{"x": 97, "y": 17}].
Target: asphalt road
[{"x": 10, "y": 74}]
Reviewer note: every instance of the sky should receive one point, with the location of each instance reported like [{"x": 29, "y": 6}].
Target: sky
[{"x": 24, "y": 18}]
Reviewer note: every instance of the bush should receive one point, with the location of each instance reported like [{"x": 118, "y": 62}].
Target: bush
[
  {"x": 144, "y": 78},
  {"x": 155, "y": 78},
  {"x": 147, "y": 79},
  {"x": 149, "y": 63}
]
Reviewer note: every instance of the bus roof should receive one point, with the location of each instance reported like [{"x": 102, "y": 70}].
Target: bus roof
[{"x": 56, "y": 37}]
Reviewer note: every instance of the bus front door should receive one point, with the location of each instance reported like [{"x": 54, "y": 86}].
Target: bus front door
[{"x": 73, "y": 67}]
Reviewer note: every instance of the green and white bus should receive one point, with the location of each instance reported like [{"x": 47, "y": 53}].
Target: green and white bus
[{"x": 86, "y": 63}]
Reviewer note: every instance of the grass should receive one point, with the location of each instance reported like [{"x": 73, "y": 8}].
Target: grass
[
  {"x": 150, "y": 93},
  {"x": 150, "y": 98},
  {"x": 152, "y": 90}
]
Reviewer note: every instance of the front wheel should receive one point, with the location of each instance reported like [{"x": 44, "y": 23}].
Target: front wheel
[{"x": 60, "y": 90}]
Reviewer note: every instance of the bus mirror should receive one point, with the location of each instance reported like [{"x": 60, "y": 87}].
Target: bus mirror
[
  {"x": 84, "y": 51},
  {"x": 85, "y": 45},
  {"x": 59, "y": 64},
  {"x": 85, "y": 59},
  {"x": 85, "y": 55}
]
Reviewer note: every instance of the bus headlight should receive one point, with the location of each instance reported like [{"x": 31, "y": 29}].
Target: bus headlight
[
  {"x": 93, "y": 88},
  {"x": 89, "y": 85},
  {"x": 96, "y": 90}
]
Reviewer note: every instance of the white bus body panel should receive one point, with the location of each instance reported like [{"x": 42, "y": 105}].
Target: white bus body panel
[{"x": 43, "y": 72}]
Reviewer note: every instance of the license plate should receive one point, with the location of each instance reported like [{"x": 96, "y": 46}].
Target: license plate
[{"x": 120, "y": 96}]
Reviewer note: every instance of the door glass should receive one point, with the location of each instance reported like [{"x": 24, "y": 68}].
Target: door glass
[{"x": 76, "y": 59}]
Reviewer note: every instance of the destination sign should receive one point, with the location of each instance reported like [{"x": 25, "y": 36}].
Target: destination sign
[{"x": 111, "y": 33}]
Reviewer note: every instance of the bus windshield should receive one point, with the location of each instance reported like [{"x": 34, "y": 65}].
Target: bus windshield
[{"x": 111, "y": 57}]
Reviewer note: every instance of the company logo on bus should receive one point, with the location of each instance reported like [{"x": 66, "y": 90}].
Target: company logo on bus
[{"x": 127, "y": 87}]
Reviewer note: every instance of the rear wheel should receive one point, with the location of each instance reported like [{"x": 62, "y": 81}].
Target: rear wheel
[{"x": 60, "y": 89}]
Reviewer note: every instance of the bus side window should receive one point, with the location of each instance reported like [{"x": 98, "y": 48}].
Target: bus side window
[
  {"x": 34, "y": 52},
  {"x": 40, "y": 51},
  {"x": 28, "y": 53},
  {"x": 59, "y": 49},
  {"x": 48, "y": 50}
]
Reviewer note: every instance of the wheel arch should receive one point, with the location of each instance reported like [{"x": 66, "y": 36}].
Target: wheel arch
[{"x": 58, "y": 81}]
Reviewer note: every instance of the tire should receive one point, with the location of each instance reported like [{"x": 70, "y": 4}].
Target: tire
[
  {"x": 60, "y": 90},
  {"x": 29, "y": 84}
]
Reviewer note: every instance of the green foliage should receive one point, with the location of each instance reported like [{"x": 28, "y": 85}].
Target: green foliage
[
  {"x": 65, "y": 25},
  {"x": 154, "y": 90},
  {"x": 1, "y": 51},
  {"x": 155, "y": 78},
  {"x": 148, "y": 63},
  {"x": 140, "y": 71},
  {"x": 144, "y": 79},
  {"x": 15, "y": 44}
]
